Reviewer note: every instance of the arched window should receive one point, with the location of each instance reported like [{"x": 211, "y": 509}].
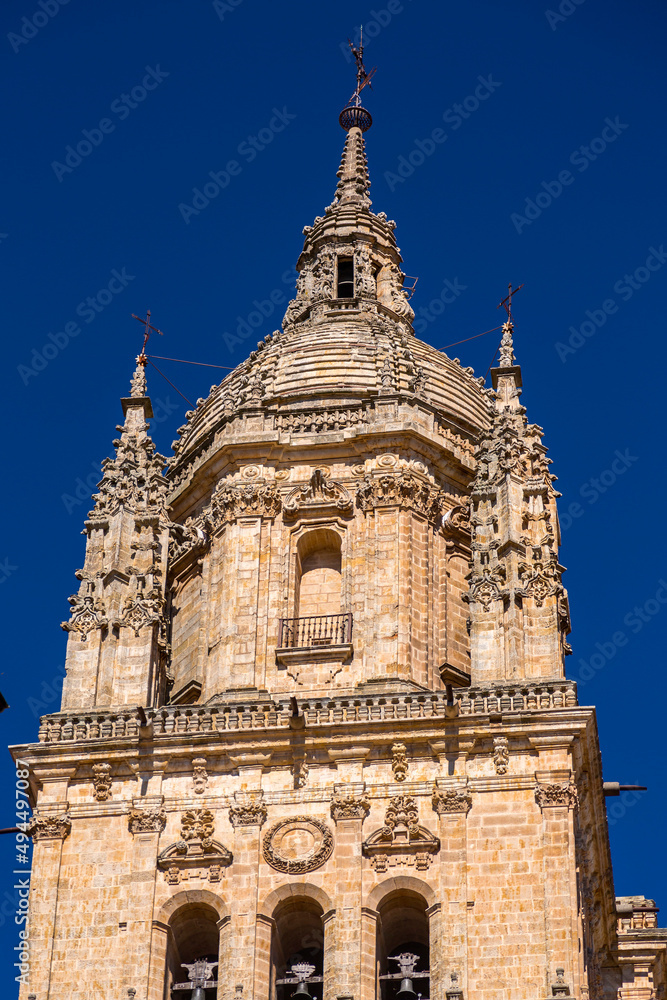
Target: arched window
[
  {"x": 402, "y": 930},
  {"x": 297, "y": 941},
  {"x": 318, "y": 574},
  {"x": 193, "y": 942}
]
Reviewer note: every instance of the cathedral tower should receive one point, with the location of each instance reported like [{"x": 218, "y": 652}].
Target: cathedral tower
[{"x": 316, "y": 736}]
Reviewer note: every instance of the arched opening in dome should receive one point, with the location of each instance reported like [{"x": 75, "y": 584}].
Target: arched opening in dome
[
  {"x": 345, "y": 278},
  {"x": 402, "y": 929},
  {"x": 318, "y": 583},
  {"x": 297, "y": 946}
]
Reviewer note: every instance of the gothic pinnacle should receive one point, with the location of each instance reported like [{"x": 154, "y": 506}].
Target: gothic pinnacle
[
  {"x": 353, "y": 180},
  {"x": 138, "y": 384},
  {"x": 506, "y": 359}
]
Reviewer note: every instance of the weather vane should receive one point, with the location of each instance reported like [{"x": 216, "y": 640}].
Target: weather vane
[{"x": 354, "y": 114}]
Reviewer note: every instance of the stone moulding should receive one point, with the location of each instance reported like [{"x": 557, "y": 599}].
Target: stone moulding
[
  {"x": 537, "y": 696},
  {"x": 312, "y": 846}
]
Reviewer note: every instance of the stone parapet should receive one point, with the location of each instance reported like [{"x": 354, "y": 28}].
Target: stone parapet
[{"x": 179, "y": 719}]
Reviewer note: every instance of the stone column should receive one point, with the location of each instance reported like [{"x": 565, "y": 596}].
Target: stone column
[
  {"x": 349, "y": 808},
  {"x": 452, "y": 802},
  {"x": 556, "y": 798},
  {"x": 145, "y": 969},
  {"x": 247, "y": 814}
]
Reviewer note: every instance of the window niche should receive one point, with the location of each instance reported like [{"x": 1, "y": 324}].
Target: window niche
[{"x": 318, "y": 574}]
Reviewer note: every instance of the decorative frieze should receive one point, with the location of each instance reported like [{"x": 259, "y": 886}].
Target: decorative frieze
[
  {"x": 405, "y": 491},
  {"x": 298, "y": 845},
  {"x": 231, "y": 502},
  {"x": 49, "y": 827}
]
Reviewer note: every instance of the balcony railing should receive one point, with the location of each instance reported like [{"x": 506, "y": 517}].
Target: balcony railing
[{"x": 315, "y": 630}]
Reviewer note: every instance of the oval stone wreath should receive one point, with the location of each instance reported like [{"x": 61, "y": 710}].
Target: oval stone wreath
[{"x": 298, "y": 845}]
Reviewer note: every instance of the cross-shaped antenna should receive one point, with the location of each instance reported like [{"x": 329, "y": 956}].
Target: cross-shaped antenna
[
  {"x": 363, "y": 78},
  {"x": 147, "y": 327},
  {"x": 507, "y": 301}
]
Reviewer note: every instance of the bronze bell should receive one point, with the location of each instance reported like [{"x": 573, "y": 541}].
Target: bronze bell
[
  {"x": 198, "y": 993},
  {"x": 302, "y": 991},
  {"x": 406, "y": 991}
]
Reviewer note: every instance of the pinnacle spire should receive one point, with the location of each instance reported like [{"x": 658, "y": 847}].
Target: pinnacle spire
[
  {"x": 353, "y": 180},
  {"x": 506, "y": 358}
]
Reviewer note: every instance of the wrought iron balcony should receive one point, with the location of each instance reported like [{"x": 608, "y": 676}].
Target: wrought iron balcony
[{"x": 315, "y": 630}]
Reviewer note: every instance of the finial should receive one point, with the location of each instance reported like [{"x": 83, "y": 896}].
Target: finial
[
  {"x": 147, "y": 327},
  {"x": 353, "y": 180},
  {"x": 506, "y": 359},
  {"x": 354, "y": 115},
  {"x": 138, "y": 383}
]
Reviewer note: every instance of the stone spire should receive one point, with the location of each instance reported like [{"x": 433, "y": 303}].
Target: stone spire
[
  {"x": 118, "y": 614},
  {"x": 353, "y": 180},
  {"x": 519, "y": 614}
]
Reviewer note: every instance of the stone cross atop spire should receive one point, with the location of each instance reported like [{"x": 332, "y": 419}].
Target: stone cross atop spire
[{"x": 353, "y": 180}]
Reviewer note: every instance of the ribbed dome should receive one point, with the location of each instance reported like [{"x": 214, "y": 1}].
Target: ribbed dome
[{"x": 347, "y": 338}]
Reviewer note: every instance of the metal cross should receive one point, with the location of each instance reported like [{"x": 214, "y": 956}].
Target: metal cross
[
  {"x": 147, "y": 327},
  {"x": 507, "y": 301},
  {"x": 363, "y": 78}
]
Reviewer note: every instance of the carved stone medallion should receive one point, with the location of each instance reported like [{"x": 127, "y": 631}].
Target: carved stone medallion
[{"x": 298, "y": 845}]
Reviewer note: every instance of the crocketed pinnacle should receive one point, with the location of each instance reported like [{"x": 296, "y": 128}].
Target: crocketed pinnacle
[{"x": 353, "y": 180}]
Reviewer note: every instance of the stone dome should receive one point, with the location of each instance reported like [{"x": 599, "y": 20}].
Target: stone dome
[{"x": 346, "y": 340}]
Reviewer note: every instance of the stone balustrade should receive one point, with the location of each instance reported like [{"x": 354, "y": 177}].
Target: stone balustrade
[{"x": 275, "y": 714}]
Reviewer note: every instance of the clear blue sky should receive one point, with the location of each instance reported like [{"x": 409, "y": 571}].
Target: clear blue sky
[{"x": 550, "y": 172}]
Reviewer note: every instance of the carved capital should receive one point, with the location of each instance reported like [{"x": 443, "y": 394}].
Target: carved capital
[
  {"x": 349, "y": 806},
  {"x": 147, "y": 820},
  {"x": 49, "y": 827},
  {"x": 447, "y": 801},
  {"x": 250, "y": 814},
  {"x": 556, "y": 794}
]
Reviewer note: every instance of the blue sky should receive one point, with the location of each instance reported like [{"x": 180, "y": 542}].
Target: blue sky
[{"x": 513, "y": 141}]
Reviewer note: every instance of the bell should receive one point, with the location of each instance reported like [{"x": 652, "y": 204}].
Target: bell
[
  {"x": 302, "y": 991},
  {"x": 198, "y": 993},
  {"x": 406, "y": 991}
]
